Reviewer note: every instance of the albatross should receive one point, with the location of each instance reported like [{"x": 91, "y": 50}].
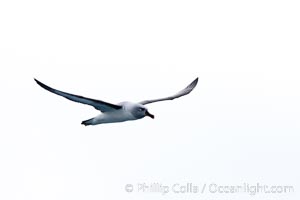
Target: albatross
[{"x": 121, "y": 112}]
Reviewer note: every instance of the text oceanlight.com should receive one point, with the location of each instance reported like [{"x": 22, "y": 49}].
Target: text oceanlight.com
[{"x": 212, "y": 188}]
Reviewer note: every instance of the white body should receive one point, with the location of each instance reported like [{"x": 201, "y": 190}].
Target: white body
[
  {"x": 124, "y": 114},
  {"x": 129, "y": 111}
]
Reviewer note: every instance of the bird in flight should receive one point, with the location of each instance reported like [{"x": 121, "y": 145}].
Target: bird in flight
[{"x": 124, "y": 111}]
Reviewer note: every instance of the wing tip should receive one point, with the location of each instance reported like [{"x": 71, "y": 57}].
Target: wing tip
[
  {"x": 37, "y": 81},
  {"x": 194, "y": 83},
  {"x": 43, "y": 85},
  {"x": 196, "y": 80}
]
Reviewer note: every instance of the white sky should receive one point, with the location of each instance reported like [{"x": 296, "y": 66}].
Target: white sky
[{"x": 240, "y": 125}]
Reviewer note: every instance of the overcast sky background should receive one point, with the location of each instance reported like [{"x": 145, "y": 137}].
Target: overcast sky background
[{"x": 239, "y": 125}]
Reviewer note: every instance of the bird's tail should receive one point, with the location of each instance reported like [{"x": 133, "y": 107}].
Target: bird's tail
[{"x": 88, "y": 122}]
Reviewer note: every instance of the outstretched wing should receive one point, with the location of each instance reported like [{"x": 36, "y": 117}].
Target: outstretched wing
[
  {"x": 181, "y": 93},
  {"x": 99, "y": 105}
]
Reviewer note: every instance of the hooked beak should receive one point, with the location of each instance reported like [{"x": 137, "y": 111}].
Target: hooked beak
[{"x": 149, "y": 114}]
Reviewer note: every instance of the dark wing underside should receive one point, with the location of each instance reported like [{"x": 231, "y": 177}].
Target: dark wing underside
[{"x": 98, "y": 104}]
